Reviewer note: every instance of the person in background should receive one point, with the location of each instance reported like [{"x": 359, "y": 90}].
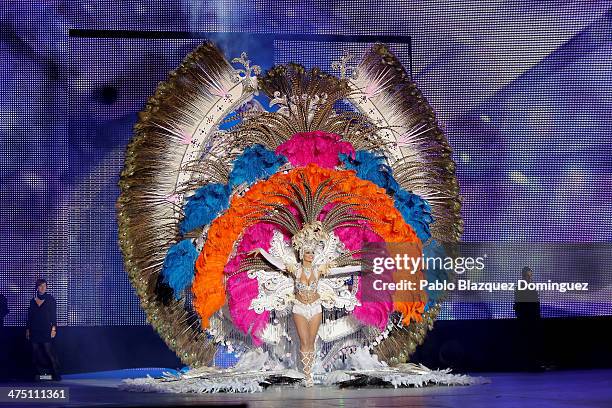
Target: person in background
[
  {"x": 527, "y": 301},
  {"x": 41, "y": 328},
  {"x": 4, "y": 310},
  {"x": 527, "y": 310}
]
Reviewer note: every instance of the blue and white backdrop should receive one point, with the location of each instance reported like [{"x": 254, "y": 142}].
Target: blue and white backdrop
[{"x": 523, "y": 89}]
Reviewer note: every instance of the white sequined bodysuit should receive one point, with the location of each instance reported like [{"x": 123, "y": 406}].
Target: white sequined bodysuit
[{"x": 307, "y": 292}]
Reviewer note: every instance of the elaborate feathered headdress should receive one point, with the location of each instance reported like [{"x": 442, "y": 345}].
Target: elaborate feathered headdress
[
  {"x": 181, "y": 146},
  {"x": 313, "y": 223}
]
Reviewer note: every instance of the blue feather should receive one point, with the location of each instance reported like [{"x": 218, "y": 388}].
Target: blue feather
[
  {"x": 434, "y": 250},
  {"x": 415, "y": 210},
  {"x": 255, "y": 163},
  {"x": 178, "y": 268},
  {"x": 204, "y": 206},
  {"x": 372, "y": 167}
]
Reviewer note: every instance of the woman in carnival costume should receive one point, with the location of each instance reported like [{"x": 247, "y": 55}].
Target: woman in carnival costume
[{"x": 310, "y": 265}]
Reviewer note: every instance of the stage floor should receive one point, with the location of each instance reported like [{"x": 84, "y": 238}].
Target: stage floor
[{"x": 589, "y": 388}]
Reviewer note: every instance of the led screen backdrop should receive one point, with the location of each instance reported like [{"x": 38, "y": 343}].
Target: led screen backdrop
[{"x": 523, "y": 90}]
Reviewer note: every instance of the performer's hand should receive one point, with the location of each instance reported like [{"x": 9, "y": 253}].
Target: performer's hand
[
  {"x": 53, "y": 332},
  {"x": 324, "y": 270},
  {"x": 292, "y": 269},
  {"x": 27, "y": 334}
]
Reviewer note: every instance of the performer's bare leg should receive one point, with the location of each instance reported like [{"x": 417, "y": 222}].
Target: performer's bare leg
[
  {"x": 301, "y": 324},
  {"x": 307, "y": 332},
  {"x": 313, "y": 329}
]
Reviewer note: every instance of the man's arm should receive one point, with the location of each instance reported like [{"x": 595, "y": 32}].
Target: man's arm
[
  {"x": 54, "y": 312},
  {"x": 29, "y": 320},
  {"x": 518, "y": 303},
  {"x": 53, "y": 317}
]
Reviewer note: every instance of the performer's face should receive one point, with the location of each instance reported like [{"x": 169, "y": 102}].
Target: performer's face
[
  {"x": 308, "y": 256},
  {"x": 42, "y": 288}
]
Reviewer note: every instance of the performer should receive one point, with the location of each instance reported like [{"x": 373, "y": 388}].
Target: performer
[
  {"x": 314, "y": 255},
  {"x": 41, "y": 328},
  {"x": 307, "y": 307}
]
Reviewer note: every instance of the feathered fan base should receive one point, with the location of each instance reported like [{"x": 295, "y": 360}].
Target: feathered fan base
[{"x": 254, "y": 374}]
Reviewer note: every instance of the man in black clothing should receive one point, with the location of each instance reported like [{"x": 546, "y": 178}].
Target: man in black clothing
[
  {"x": 527, "y": 301},
  {"x": 527, "y": 310},
  {"x": 42, "y": 327}
]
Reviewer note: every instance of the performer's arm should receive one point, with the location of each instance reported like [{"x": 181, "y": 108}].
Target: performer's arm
[
  {"x": 272, "y": 259},
  {"x": 342, "y": 270}
]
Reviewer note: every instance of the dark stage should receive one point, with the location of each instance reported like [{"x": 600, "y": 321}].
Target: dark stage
[
  {"x": 480, "y": 348},
  {"x": 583, "y": 388},
  {"x": 463, "y": 345}
]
